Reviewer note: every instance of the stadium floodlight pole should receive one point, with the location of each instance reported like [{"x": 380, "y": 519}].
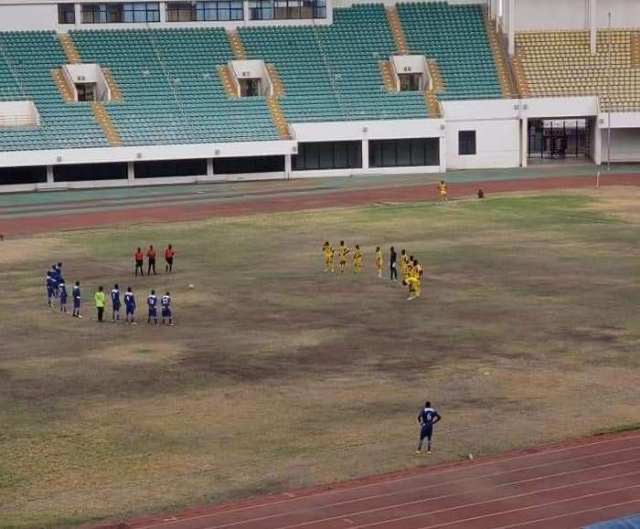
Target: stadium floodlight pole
[{"x": 609, "y": 109}]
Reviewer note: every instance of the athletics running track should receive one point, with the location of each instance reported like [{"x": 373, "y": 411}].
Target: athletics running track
[
  {"x": 563, "y": 486},
  {"x": 21, "y": 220}
]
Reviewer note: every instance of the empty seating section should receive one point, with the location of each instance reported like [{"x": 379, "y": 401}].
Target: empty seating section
[
  {"x": 171, "y": 89},
  {"x": 561, "y": 64},
  {"x": 26, "y": 61},
  {"x": 332, "y": 73},
  {"x": 455, "y": 36}
]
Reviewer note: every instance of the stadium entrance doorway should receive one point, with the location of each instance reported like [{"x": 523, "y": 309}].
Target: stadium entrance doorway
[{"x": 559, "y": 139}]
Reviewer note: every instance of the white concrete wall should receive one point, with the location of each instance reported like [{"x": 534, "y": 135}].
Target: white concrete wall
[
  {"x": 624, "y": 13},
  {"x": 368, "y": 130},
  {"x": 18, "y": 114},
  {"x": 28, "y": 17},
  {"x": 551, "y": 14},
  {"x": 625, "y": 145},
  {"x": 497, "y": 144}
]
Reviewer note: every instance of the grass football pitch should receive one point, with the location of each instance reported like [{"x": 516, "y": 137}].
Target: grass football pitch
[{"x": 278, "y": 375}]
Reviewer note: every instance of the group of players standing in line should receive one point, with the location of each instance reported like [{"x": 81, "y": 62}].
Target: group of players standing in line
[
  {"x": 56, "y": 289},
  {"x": 411, "y": 270}
]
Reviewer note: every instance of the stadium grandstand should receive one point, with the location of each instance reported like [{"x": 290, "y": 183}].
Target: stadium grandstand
[{"x": 100, "y": 93}]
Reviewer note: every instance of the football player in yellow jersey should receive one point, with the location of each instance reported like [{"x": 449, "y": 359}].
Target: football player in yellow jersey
[
  {"x": 343, "y": 252},
  {"x": 403, "y": 263},
  {"x": 414, "y": 286},
  {"x": 379, "y": 261},
  {"x": 409, "y": 271},
  {"x": 443, "y": 191},
  {"x": 328, "y": 253},
  {"x": 357, "y": 260},
  {"x": 417, "y": 269}
]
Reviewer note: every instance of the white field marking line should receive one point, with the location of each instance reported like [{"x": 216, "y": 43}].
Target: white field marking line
[
  {"x": 426, "y": 500},
  {"x": 472, "y": 504},
  {"x": 405, "y": 478},
  {"x": 492, "y": 515},
  {"x": 564, "y": 515}
]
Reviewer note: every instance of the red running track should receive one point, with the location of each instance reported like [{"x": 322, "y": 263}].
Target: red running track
[
  {"x": 65, "y": 220},
  {"x": 560, "y": 487}
]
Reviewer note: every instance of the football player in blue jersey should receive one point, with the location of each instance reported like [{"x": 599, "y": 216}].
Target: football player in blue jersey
[
  {"x": 165, "y": 302},
  {"x": 426, "y": 419},
  {"x": 130, "y": 306},
  {"x": 152, "y": 303},
  {"x": 115, "y": 303}
]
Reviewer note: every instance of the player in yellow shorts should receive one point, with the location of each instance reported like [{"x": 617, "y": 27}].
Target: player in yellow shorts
[
  {"x": 343, "y": 252},
  {"x": 413, "y": 282},
  {"x": 409, "y": 272},
  {"x": 404, "y": 259},
  {"x": 379, "y": 261},
  {"x": 357, "y": 260},
  {"x": 443, "y": 191},
  {"x": 328, "y": 253}
]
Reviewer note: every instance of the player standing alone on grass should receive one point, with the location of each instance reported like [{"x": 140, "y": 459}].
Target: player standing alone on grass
[
  {"x": 115, "y": 303},
  {"x": 443, "y": 191},
  {"x": 139, "y": 258},
  {"x": 169, "y": 254},
  {"x": 151, "y": 257},
  {"x": 426, "y": 419}
]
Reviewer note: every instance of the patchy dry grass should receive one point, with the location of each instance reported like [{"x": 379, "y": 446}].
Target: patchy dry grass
[{"x": 279, "y": 375}]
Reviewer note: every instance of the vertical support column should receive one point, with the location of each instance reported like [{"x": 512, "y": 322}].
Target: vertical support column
[
  {"x": 77, "y": 9},
  {"x": 524, "y": 142},
  {"x": 596, "y": 154},
  {"x": 49, "y": 174},
  {"x": 365, "y": 154},
  {"x": 287, "y": 166},
  {"x": 131, "y": 173},
  {"x": 443, "y": 151},
  {"x": 245, "y": 11},
  {"x": 593, "y": 29},
  {"x": 512, "y": 27},
  {"x": 163, "y": 12},
  {"x": 210, "y": 167}
]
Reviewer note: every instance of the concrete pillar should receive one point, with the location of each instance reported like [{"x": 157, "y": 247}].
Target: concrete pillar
[
  {"x": 524, "y": 142},
  {"x": 131, "y": 173},
  {"x": 163, "y": 12},
  {"x": 443, "y": 152},
  {"x": 287, "y": 166},
  {"x": 596, "y": 154},
  {"x": 245, "y": 10},
  {"x": 210, "y": 167},
  {"x": 77, "y": 8},
  {"x": 49, "y": 174},
  {"x": 365, "y": 154},
  {"x": 592, "y": 21},
  {"x": 512, "y": 27}
]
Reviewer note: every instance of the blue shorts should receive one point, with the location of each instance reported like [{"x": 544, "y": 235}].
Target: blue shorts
[
  {"x": 63, "y": 300},
  {"x": 130, "y": 309},
  {"x": 116, "y": 305},
  {"x": 166, "y": 312},
  {"x": 153, "y": 312},
  {"x": 76, "y": 303},
  {"x": 426, "y": 431},
  {"x": 49, "y": 292}
]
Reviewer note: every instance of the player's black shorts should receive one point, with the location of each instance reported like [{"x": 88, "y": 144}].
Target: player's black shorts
[
  {"x": 166, "y": 313},
  {"x": 426, "y": 432},
  {"x": 169, "y": 260},
  {"x": 116, "y": 305},
  {"x": 130, "y": 309}
]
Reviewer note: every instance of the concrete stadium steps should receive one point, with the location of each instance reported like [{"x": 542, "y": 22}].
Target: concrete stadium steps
[
  {"x": 69, "y": 47},
  {"x": 387, "y": 76},
  {"x": 520, "y": 78},
  {"x": 436, "y": 76},
  {"x": 27, "y": 61},
  {"x": 276, "y": 80},
  {"x": 278, "y": 118},
  {"x": 396, "y": 30},
  {"x": 500, "y": 58},
  {"x": 456, "y": 37},
  {"x": 62, "y": 85},
  {"x": 435, "y": 109},
  {"x": 103, "y": 118},
  {"x": 116, "y": 93},
  {"x": 230, "y": 85},
  {"x": 173, "y": 88},
  {"x": 237, "y": 47},
  {"x": 332, "y": 73}
]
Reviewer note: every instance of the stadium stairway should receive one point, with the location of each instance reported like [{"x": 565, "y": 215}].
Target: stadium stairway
[
  {"x": 455, "y": 36},
  {"x": 332, "y": 73},
  {"x": 69, "y": 48},
  {"x": 237, "y": 47},
  {"x": 103, "y": 118},
  {"x": 500, "y": 58},
  {"x": 63, "y": 86},
  {"x": 396, "y": 30}
]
